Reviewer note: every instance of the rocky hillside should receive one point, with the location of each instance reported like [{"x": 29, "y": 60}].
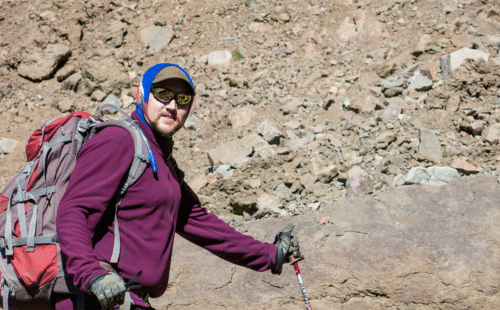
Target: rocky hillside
[{"x": 300, "y": 104}]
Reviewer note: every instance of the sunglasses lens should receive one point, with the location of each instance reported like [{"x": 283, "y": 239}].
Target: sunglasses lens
[
  {"x": 165, "y": 96},
  {"x": 183, "y": 99}
]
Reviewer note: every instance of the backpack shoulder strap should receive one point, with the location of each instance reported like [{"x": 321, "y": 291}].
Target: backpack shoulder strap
[{"x": 137, "y": 168}]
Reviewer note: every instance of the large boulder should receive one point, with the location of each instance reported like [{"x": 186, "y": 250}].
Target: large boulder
[{"x": 416, "y": 247}]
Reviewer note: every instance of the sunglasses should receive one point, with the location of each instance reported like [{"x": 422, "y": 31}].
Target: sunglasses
[{"x": 165, "y": 96}]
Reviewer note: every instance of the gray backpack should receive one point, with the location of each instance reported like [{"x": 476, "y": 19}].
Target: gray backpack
[{"x": 31, "y": 265}]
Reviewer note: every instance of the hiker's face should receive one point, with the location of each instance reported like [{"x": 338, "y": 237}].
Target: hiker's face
[{"x": 167, "y": 118}]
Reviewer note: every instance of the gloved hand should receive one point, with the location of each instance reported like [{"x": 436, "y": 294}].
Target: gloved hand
[
  {"x": 109, "y": 290},
  {"x": 287, "y": 247}
]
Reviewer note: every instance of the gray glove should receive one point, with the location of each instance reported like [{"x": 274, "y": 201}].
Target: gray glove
[
  {"x": 109, "y": 290},
  {"x": 288, "y": 250}
]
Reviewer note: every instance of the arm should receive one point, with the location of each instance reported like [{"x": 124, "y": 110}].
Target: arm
[
  {"x": 100, "y": 167},
  {"x": 208, "y": 231}
]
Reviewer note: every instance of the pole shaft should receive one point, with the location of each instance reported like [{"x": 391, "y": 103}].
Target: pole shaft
[{"x": 302, "y": 287}]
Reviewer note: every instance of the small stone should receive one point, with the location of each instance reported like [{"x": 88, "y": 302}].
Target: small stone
[
  {"x": 453, "y": 103},
  {"x": 430, "y": 71},
  {"x": 7, "y": 145},
  {"x": 464, "y": 167}
]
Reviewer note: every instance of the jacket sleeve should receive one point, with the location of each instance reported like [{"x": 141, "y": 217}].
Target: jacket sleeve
[
  {"x": 208, "y": 231},
  {"x": 101, "y": 164}
]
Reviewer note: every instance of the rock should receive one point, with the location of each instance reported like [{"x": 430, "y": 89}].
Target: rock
[
  {"x": 252, "y": 183},
  {"x": 390, "y": 113},
  {"x": 430, "y": 176},
  {"x": 113, "y": 100},
  {"x": 453, "y": 103},
  {"x": 200, "y": 181},
  {"x": 46, "y": 63},
  {"x": 5, "y": 89},
  {"x": 384, "y": 140},
  {"x": 291, "y": 106},
  {"x": 98, "y": 95},
  {"x": 224, "y": 171},
  {"x": 271, "y": 202},
  {"x": 420, "y": 83},
  {"x": 71, "y": 82},
  {"x": 457, "y": 58},
  {"x": 156, "y": 38},
  {"x": 219, "y": 58},
  {"x": 324, "y": 171},
  {"x": 241, "y": 117},
  {"x": 192, "y": 122},
  {"x": 396, "y": 81},
  {"x": 368, "y": 242},
  {"x": 65, "y": 72},
  {"x": 269, "y": 132},
  {"x": 115, "y": 33},
  {"x": 429, "y": 145},
  {"x": 346, "y": 29},
  {"x": 243, "y": 205},
  {"x": 464, "y": 167},
  {"x": 108, "y": 74},
  {"x": 225, "y": 152},
  {"x": 430, "y": 71},
  {"x": 358, "y": 182},
  {"x": 363, "y": 103},
  {"x": 492, "y": 134},
  {"x": 65, "y": 105},
  {"x": 7, "y": 145},
  {"x": 202, "y": 60}
]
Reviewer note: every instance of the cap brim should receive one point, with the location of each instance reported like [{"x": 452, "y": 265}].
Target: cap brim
[{"x": 172, "y": 72}]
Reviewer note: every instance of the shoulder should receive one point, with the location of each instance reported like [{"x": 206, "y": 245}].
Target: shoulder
[{"x": 111, "y": 139}]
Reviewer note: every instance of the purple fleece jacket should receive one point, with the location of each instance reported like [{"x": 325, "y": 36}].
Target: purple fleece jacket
[{"x": 152, "y": 211}]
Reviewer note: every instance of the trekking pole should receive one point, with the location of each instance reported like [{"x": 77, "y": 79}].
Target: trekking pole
[
  {"x": 302, "y": 287},
  {"x": 294, "y": 261}
]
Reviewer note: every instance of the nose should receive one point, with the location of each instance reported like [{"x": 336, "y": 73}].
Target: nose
[{"x": 171, "y": 105}]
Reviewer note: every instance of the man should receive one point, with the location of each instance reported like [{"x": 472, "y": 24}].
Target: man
[{"x": 154, "y": 208}]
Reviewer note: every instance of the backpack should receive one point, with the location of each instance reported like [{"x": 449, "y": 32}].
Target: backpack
[{"x": 31, "y": 264}]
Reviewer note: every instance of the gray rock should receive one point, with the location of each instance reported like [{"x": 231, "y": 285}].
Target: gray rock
[
  {"x": 7, "y": 145},
  {"x": 192, "y": 122},
  {"x": 219, "y": 58},
  {"x": 46, "y": 63},
  {"x": 224, "y": 171},
  {"x": 5, "y": 89},
  {"x": 393, "y": 82},
  {"x": 390, "y": 113},
  {"x": 114, "y": 100},
  {"x": 429, "y": 144},
  {"x": 270, "y": 132},
  {"x": 457, "y": 58},
  {"x": 156, "y": 38},
  {"x": 358, "y": 182},
  {"x": 431, "y": 176},
  {"x": 420, "y": 83}
]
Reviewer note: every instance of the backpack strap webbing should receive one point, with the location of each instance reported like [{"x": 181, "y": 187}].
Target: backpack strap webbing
[{"x": 137, "y": 168}]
